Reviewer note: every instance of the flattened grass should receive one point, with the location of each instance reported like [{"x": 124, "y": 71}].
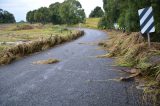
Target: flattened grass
[{"x": 131, "y": 50}]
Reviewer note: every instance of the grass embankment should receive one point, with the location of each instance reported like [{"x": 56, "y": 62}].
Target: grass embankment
[
  {"x": 36, "y": 37},
  {"x": 131, "y": 50}
]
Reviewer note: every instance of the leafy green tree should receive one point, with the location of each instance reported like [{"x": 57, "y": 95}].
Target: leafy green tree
[
  {"x": 97, "y": 12},
  {"x": 156, "y": 7},
  {"x": 30, "y": 16},
  {"x": 55, "y": 13},
  {"x": 103, "y": 23},
  {"x": 72, "y": 12},
  {"x": 42, "y": 15},
  {"x": 112, "y": 13},
  {"x": 131, "y": 17},
  {"x": 68, "y": 12},
  {"x": 125, "y": 13},
  {"x": 6, "y": 17}
]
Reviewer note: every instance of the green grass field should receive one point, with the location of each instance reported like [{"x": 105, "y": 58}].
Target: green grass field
[
  {"x": 90, "y": 23},
  {"x": 28, "y": 32}
]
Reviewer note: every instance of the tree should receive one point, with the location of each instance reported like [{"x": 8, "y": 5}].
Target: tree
[
  {"x": 125, "y": 13},
  {"x": 68, "y": 12},
  {"x": 6, "y": 17},
  {"x": 112, "y": 13},
  {"x": 72, "y": 12},
  {"x": 30, "y": 17},
  {"x": 41, "y": 15},
  {"x": 55, "y": 17},
  {"x": 97, "y": 12}
]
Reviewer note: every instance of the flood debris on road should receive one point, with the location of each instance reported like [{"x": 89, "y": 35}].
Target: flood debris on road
[{"x": 49, "y": 61}]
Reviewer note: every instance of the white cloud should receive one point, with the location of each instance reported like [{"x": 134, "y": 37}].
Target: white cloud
[
  {"x": 20, "y": 7},
  {"x": 89, "y": 5}
]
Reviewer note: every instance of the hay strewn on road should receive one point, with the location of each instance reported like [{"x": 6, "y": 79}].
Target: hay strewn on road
[{"x": 49, "y": 61}]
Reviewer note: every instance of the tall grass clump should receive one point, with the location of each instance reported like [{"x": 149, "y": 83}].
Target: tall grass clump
[{"x": 23, "y": 27}]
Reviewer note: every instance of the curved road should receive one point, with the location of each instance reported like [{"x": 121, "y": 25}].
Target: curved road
[{"x": 79, "y": 79}]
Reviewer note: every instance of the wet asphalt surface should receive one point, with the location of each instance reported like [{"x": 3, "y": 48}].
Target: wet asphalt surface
[{"x": 80, "y": 79}]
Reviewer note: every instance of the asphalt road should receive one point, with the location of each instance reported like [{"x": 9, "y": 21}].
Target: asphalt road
[{"x": 80, "y": 79}]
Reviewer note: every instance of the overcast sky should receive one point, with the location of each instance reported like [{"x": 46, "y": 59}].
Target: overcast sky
[{"x": 20, "y": 7}]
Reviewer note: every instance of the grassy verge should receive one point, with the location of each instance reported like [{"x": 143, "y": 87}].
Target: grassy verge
[
  {"x": 131, "y": 50},
  {"x": 37, "y": 38}
]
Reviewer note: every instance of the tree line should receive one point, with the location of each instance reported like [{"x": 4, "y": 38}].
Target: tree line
[
  {"x": 6, "y": 17},
  {"x": 67, "y": 12},
  {"x": 125, "y": 13}
]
